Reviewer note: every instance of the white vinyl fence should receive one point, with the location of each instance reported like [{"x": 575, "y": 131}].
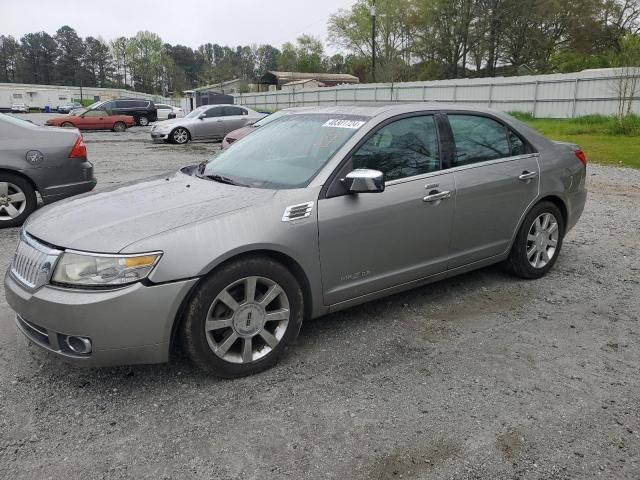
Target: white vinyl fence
[{"x": 545, "y": 96}]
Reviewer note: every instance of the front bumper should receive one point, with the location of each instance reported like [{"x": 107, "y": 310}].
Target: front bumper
[
  {"x": 159, "y": 137},
  {"x": 130, "y": 325}
]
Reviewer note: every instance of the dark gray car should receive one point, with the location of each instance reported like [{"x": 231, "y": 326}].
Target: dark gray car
[
  {"x": 316, "y": 212},
  {"x": 50, "y": 161}
]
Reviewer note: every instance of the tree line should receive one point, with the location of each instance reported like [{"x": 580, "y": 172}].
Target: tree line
[
  {"x": 435, "y": 39},
  {"x": 415, "y": 40},
  {"x": 145, "y": 63}
]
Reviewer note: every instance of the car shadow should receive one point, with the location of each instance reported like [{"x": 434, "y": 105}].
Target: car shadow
[{"x": 421, "y": 316}]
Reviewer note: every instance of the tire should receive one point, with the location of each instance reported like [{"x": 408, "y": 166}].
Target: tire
[
  {"x": 538, "y": 243},
  {"x": 14, "y": 213},
  {"x": 236, "y": 340},
  {"x": 179, "y": 135},
  {"x": 143, "y": 121},
  {"x": 119, "y": 127},
  {"x": 67, "y": 125}
]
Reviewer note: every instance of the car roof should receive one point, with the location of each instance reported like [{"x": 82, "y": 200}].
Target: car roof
[
  {"x": 374, "y": 110},
  {"x": 389, "y": 110}
]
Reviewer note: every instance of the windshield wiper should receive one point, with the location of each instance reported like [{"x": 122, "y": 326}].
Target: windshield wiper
[{"x": 227, "y": 180}]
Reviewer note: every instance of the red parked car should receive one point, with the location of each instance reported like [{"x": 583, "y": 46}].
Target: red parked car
[{"x": 94, "y": 120}]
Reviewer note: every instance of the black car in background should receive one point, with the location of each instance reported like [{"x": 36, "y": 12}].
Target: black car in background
[{"x": 144, "y": 111}]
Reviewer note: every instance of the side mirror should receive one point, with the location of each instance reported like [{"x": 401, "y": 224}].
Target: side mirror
[
  {"x": 363, "y": 180},
  {"x": 202, "y": 115}
]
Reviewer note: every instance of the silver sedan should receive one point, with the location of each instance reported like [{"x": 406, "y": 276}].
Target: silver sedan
[
  {"x": 208, "y": 122},
  {"x": 318, "y": 211}
]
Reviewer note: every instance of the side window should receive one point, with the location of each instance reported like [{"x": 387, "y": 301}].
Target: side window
[
  {"x": 229, "y": 111},
  {"x": 404, "y": 148},
  {"x": 140, "y": 104},
  {"x": 122, "y": 104},
  {"x": 95, "y": 113},
  {"x": 215, "y": 112},
  {"x": 108, "y": 106},
  {"x": 478, "y": 139}
]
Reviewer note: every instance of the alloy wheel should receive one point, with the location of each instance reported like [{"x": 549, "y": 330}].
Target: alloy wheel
[
  {"x": 13, "y": 201},
  {"x": 247, "y": 320},
  {"x": 143, "y": 121},
  {"x": 542, "y": 240},
  {"x": 180, "y": 135}
]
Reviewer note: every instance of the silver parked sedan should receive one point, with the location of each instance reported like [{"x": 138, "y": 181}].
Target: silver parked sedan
[
  {"x": 208, "y": 122},
  {"x": 319, "y": 211}
]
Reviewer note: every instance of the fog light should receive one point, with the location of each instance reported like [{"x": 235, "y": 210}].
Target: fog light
[{"x": 79, "y": 345}]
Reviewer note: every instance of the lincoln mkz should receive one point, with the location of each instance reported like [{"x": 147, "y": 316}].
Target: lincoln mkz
[{"x": 318, "y": 211}]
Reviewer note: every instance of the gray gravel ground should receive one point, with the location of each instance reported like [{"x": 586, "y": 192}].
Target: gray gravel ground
[{"x": 479, "y": 377}]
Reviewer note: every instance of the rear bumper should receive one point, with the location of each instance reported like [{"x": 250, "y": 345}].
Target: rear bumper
[
  {"x": 53, "y": 194},
  {"x": 131, "y": 325},
  {"x": 59, "y": 183}
]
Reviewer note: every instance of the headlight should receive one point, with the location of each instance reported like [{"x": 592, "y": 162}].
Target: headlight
[{"x": 95, "y": 270}]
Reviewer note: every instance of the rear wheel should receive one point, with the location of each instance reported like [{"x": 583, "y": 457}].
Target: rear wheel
[
  {"x": 143, "y": 121},
  {"x": 179, "y": 135},
  {"x": 67, "y": 125},
  {"x": 538, "y": 242},
  {"x": 243, "y": 317},
  {"x": 17, "y": 200},
  {"x": 119, "y": 127}
]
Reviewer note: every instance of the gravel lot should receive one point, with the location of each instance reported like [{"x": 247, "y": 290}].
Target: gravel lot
[{"x": 482, "y": 376}]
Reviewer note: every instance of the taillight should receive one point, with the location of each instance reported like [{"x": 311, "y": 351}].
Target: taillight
[
  {"x": 79, "y": 150},
  {"x": 581, "y": 156}
]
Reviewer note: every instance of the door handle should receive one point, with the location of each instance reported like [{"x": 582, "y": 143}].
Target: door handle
[
  {"x": 436, "y": 197},
  {"x": 527, "y": 176}
]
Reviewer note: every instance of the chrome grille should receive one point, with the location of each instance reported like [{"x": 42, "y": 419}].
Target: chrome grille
[{"x": 33, "y": 262}]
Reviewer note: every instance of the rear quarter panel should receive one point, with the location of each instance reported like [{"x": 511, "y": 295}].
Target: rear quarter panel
[
  {"x": 55, "y": 144},
  {"x": 564, "y": 176}
]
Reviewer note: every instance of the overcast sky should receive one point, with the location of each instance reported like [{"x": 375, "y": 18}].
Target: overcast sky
[{"x": 186, "y": 22}]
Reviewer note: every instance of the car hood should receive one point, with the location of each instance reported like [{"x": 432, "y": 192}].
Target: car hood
[
  {"x": 109, "y": 220},
  {"x": 171, "y": 122}
]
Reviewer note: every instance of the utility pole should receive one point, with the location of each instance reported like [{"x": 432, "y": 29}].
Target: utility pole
[{"x": 372, "y": 10}]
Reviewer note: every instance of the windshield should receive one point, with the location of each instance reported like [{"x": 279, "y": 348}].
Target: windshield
[
  {"x": 95, "y": 104},
  {"x": 287, "y": 153},
  {"x": 196, "y": 112},
  {"x": 270, "y": 118}
]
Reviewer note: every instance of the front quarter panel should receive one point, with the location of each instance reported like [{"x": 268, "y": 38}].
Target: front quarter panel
[{"x": 197, "y": 249}]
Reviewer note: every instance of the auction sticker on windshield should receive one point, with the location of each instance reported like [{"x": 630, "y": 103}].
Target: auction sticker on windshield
[{"x": 336, "y": 123}]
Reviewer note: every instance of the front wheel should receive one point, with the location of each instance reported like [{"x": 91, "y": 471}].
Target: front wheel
[
  {"x": 67, "y": 125},
  {"x": 143, "y": 121},
  {"x": 537, "y": 245},
  {"x": 179, "y": 135},
  {"x": 243, "y": 317},
  {"x": 17, "y": 200},
  {"x": 119, "y": 127}
]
